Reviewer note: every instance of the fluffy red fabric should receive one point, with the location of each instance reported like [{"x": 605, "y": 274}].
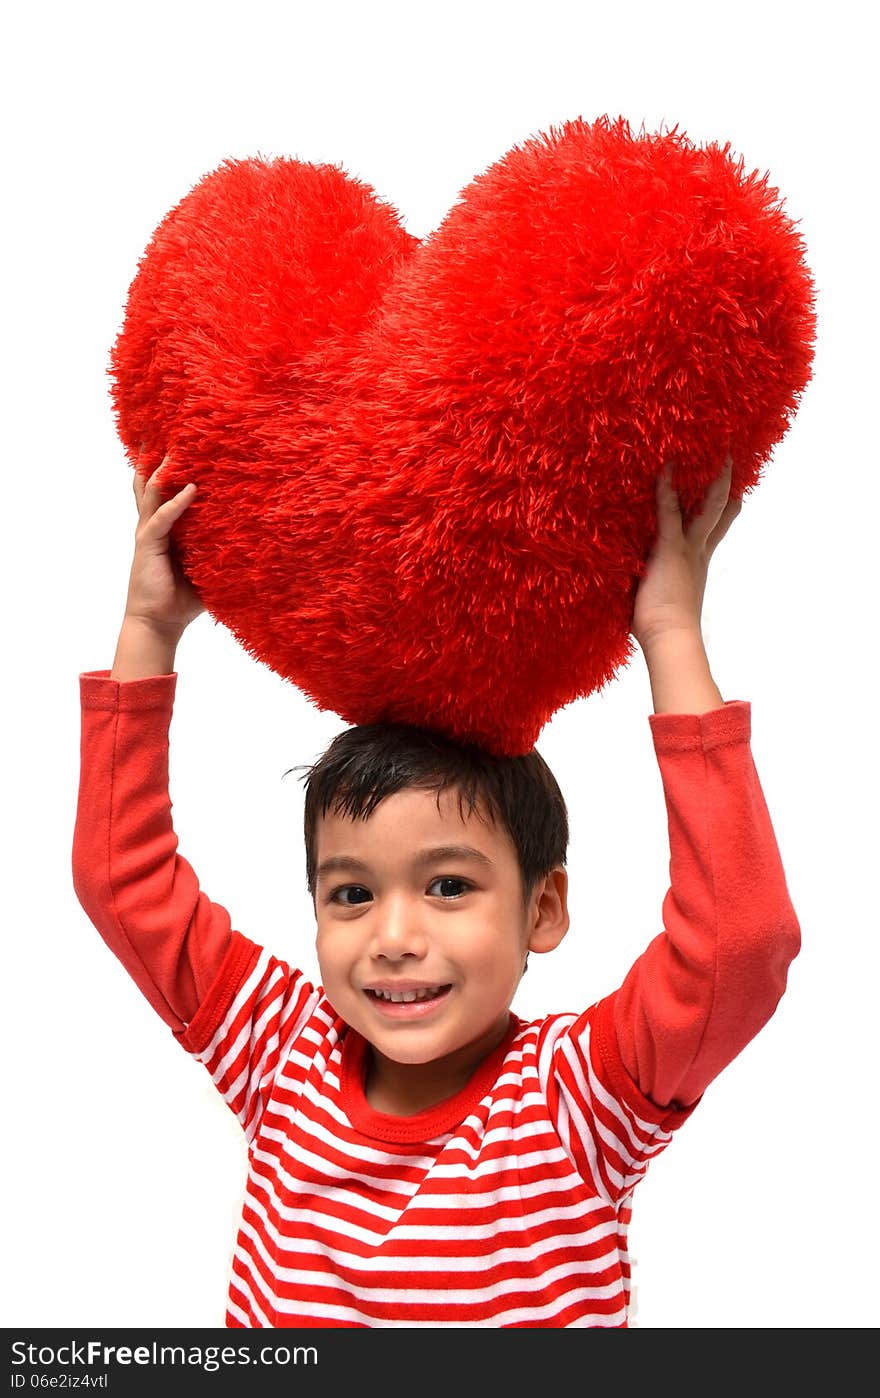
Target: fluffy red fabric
[{"x": 426, "y": 469}]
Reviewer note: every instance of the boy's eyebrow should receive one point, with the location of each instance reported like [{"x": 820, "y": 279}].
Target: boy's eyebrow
[{"x": 348, "y": 864}]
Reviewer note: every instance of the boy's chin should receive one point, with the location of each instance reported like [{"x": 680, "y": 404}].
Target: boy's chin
[{"x": 417, "y": 1045}]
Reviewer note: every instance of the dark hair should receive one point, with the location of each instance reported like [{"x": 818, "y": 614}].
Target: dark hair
[{"x": 368, "y": 762}]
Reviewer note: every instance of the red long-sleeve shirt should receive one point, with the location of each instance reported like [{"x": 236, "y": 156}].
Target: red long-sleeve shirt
[{"x": 508, "y": 1204}]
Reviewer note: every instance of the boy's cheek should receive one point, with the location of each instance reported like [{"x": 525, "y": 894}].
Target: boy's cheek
[
  {"x": 332, "y": 975},
  {"x": 488, "y": 960},
  {"x": 345, "y": 1000},
  {"x": 328, "y": 966}
]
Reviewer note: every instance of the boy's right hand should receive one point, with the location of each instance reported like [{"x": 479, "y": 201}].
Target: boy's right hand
[{"x": 159, "y": 594}]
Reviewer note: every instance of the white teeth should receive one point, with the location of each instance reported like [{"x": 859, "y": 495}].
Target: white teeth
[{"x": 404, "y": 997}]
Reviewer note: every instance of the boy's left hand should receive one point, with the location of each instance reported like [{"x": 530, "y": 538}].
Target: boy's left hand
[{"x": 670, "y": 594}]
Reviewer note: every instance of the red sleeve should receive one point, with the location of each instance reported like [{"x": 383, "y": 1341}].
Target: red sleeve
[
  {"x": 141, "y": 895},
  {"x": 705, "y": 986}
]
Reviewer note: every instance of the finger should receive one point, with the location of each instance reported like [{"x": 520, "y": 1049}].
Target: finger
[
  {"x": 138, "y": 482},
  {"x": 138, "y": 472},
  {"x": 142, "y": 483},
  {"x": 153, "y": 480},
  {"x": 714, "y": 501},
  {"x": 166, "y": 514},
  {"x": 152, "y": 491},
  {"x": 731, "y": 510},
  {"x": 155, "y": 530},
  {"x": 139, "y": 488},
  {"x": 667, "y": 495},
  {"x": 721, "y": 484}
]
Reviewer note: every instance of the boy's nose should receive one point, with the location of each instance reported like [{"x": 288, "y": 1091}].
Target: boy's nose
[{"x": 398, "y": 932}]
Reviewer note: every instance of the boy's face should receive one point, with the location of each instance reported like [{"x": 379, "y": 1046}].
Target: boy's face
[{"x": 416, "y": 899}]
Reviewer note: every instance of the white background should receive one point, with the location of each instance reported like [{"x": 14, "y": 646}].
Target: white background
[{"x": 122, "y": 1168}]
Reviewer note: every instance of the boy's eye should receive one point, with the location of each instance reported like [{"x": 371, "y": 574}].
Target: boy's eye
[
  {"x": 450, "y": 887},
  {"x": 356, "y": 888}
]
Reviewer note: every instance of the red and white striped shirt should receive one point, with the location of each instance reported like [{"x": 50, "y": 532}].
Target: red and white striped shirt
[{"x": 508, "y": 1204}]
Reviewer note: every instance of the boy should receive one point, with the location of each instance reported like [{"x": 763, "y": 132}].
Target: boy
[{"x": 418, "y": 1156}]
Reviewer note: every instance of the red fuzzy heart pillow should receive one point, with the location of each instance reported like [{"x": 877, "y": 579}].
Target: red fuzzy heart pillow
[{"x": 426, "y": 469}]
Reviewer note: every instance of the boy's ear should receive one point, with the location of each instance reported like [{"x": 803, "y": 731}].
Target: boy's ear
[{"x": 549, "y": 911}]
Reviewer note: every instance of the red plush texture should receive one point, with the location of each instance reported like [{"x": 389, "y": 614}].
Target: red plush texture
[{"x": 427, "y": 468}]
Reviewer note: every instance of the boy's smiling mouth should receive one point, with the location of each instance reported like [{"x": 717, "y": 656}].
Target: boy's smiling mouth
[{"x": 406, "y": 998}]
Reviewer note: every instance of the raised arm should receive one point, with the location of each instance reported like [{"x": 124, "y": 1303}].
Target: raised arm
[
  {"x": 142, "y": 896},
  {"x": 712, "y": 979}
]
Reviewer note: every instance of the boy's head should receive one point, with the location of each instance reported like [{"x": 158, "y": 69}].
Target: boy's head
[{"x": 434, "y": 868}]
